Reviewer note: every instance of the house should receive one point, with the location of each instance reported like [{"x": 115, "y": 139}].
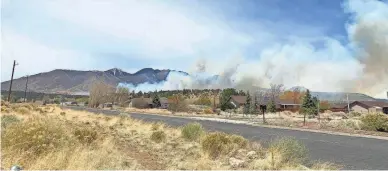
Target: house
[
  {"x": 287, "y": 105},
  {"x": 237, "y": 101},
  {"x": 369, "y": 106},
  {"x": 163, "y": 103}
]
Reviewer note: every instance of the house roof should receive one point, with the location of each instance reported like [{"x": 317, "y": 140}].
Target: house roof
[
  {"x": 239, "y": 99},
  {"x": 369, "y": 104}
]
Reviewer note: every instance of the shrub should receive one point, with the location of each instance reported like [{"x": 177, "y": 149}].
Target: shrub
[
  {"x": 216, "y": 144},
  {"x": 375, "y": 122},
  {"x": 85, "y": 135},
  {"x": 158, "y": 136},
  {"x": 23, "y": 110},
  {"x": 240, "y": 141},
  {"x": 63, "y": 113},
  {"x": 192, "y": 131},
  {"x": 8, "y": 120},
  {"x": 355, "y": 114},
  {"x": 291, "y": 150}
]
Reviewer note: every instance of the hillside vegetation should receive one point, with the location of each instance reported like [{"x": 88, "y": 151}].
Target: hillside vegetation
[{"x": 47, "y": 137}]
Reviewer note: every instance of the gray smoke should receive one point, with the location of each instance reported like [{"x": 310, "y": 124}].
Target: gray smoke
[{"x": 359, "y": 66}]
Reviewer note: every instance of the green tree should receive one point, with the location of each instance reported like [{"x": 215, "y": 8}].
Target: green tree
[
  {"x": 225, "y": 96},
  {"x": 309, "y": 106},
  {"x": 156, "y": 100},
  {"x": 247, "y": 105},
  {"x": 271, "y": 106}
]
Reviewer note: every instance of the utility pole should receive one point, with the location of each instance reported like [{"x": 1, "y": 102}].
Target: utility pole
[
  {"x": 10, "y": 84},
  {"x": 25, "y": 91},
  {"x": 347, "y": 99}
]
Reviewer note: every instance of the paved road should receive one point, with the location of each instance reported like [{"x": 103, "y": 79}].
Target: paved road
[{"x": 351, "y": 152}]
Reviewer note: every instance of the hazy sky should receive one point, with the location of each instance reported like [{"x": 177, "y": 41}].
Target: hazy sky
[{"x": 43, "y": 35}]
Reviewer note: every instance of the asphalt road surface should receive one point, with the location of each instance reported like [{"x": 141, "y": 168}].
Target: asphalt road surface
[{"x": 353, "y": 153}]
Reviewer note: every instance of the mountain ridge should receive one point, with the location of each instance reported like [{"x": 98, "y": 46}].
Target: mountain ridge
[{"x": 71, "y": 81}]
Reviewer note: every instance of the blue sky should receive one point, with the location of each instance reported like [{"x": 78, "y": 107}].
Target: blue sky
[{"x": 132, "y": 34}]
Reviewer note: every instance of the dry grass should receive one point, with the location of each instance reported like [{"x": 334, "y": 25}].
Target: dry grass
[{"x": 80, "y": 140}]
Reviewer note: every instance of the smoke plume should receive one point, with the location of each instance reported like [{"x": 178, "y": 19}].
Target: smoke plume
[{"x": 361, "y": 65}]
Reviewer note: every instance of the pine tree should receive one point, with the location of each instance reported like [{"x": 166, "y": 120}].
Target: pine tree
[
  {"x": 156, "y": 101},
  {"x": 271, "y": 106},
  {"x": 308, "y": 106},
  {"x": 247, "y": 104}
]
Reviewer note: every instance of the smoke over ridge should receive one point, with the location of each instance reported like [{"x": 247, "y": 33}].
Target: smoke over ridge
[{"x": 360, "y": 65}]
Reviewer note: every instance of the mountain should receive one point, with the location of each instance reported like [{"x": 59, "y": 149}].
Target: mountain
[{"x": 78, "y": 82}]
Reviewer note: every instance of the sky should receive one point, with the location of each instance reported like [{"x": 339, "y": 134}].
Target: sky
[{"x": 272, "y": 39}]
